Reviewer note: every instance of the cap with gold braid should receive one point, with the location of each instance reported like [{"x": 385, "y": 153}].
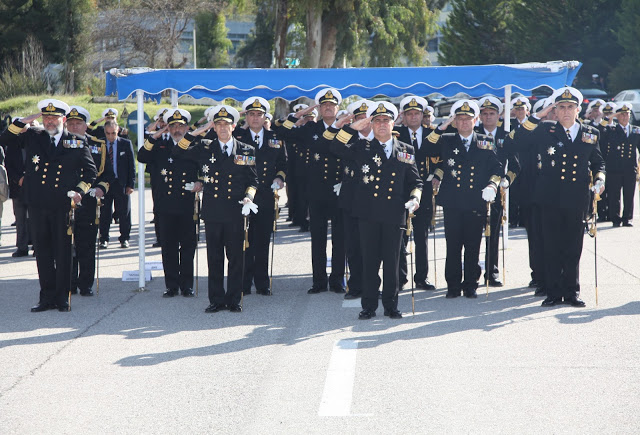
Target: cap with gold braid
[
  {"x": 465, "y": 107},
  {"x": 179, "y": 116},
  {"x": 521, "y": 102},
  {"x": 224, "y": 113},
  {"x": 359, "y": 107},
  {"x": 596, "y": 104},
  {"x": 328, "y": 95},
  {"x": 160, "y": 113},
  {"x": 413, "y": 102},
  {"x": 490, "y": 102},
  {"x": 625, "y": 108},
  {"x": 256, "y": 103},
  {"x": 567, "y": 95},
  {"x": 110, "y": 112},
  {"x": 609, "y": 108},
  {"x": 383, "y": 108},
  {"x": 53, "y": 107},
  {"x": 80, "y": 113}
]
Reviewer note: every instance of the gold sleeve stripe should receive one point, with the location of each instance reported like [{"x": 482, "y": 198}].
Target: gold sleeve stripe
[
  {"x": 344, "y": 137},
  {"x": 433, "y": 137},
  {"x": 601, "y": 176},
  {"x": 495, "y": 179},
  {"x": 105, "y": 185},
  {"x": 103, "y": 159},
  {"x": 282, "y": 174},
  {"x": 14, "y": 129},
  {"x": 148, "y": 145},
  {"x": 328, "y": 135},
  {"x": 529, "y": 125},
  {"x": 513, "y": 132},
  {"x": 438, "y": 173},
  {"x": 511, "y": 175},
  {"x": 278, "y": 123},
  {"x": 417, "y": 193},
  {"x": 184, "y": 143},
  {"x": 251, "y": 191},
  {"x": 604, "y": 122},
  {"x": 84, "y": 186},
  {"x": 288, "y": 124}
]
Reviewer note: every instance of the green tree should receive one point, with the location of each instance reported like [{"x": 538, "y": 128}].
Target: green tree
[
  {"x": 477, "y": 32},
  {"x": 257, "y": 49},
  {"x": 212, "y": 42},
  {"x": 625, "y": 75}
]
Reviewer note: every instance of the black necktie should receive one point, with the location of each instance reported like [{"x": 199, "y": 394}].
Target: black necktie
[
  {"x": 257, "y": 139},
  {"x": 569, "y": 135},
  {"x": 53, "y": 143},
  {"x": 111, "y": 153},
  {"x": 225, "y": 150},
  {"x": 413, "y": 138},
  {"x": 465, "y": 143}
]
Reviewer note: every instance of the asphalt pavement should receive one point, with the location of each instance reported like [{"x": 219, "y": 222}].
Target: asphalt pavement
[{"x": 129, "y": 362}]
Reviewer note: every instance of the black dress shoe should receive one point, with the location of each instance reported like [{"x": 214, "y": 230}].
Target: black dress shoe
[
  {"x": 550, "y": 301},
  {"x": 540, "y": 291},
  {"x": 171, "y": 292},
  {"x": 353, "y": 295},
  {"x": 86, "y": 292},
  {"x": 316, "y": 290},
  {"x": 574, "y": 302},
  {"x": 425, "y": 285},
  {"x": 452, "y": 294},
  {"x": 264, "y": 292},
  {"x": 64, "y": 307},
  {"x": 214, "y": 308},
  {"x": 366, "y": 314},
  {"x": 104, "y": 244},
  {"x": 124, "y": 244},
  {"x": 616, "y": 224},
  {"x": 471, "y": 294},
  {"x": 393, "y": 313},
  {"x": 188, "y": 293},
  {"x": 42, "y": 307},
  {"x": 627, "y": 224},
  {"x": 235, "y": 308},
  {"x": 533, "y": 283},
  {"x": 20, "y": 253},
  {"x": 495, "y": 283},
  {"x": 337, "y": 289}
]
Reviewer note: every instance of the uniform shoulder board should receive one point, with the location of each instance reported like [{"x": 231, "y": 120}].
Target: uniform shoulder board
[
  {"x": 395, "y": 133},
  {"x": 512, "y": 134}
]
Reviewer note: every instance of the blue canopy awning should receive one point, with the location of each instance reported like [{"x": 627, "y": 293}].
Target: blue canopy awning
[{"x": 291, "y": 84}]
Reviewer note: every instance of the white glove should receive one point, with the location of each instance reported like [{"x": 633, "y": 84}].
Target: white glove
[
  {"x": 248, "y": 206},
  {"x": 277, "y": 185},
  {"x": 504, "y": 183},
  {"x": 189, "y": 186},
  {"x": 336, "y": 188},
  {"x": 489, "y": 193},
  {"x": 91, "y": 192},
  {"x": 412, "y": 205},
  {"x": 599, "y": 185},
  {"x": 72, "y": 194}
]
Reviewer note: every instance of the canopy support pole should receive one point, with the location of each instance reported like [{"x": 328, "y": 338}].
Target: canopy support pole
[
  {"x": 141, "y": 192},
  {"x": 507, "y": 129}
]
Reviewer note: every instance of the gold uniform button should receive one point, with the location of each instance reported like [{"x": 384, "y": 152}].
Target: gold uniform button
[
  {"x": 574, "y": 172},
  {"x": 461, "y": 166},
  {"x": 55, "y": 185},
  {"x": 44, "y": 175},
  {"x": 393, "y": 174},
  {"x": 215, "y": 188},
  {"x": 228, "y": 197},
  {"x": 168, "y": 193},
  {"x": 564, "y": 170},
  {"x": 564, "y": 163},
  {"x": 217, "y": 173},
  {"x": 377, "y": 178},
  {"x": 57, "y": 179},
  {"x": 229, "y": 182},
  {"x": 379, "y": 171},
  {"x": 562, "y": 178},
  {"x": 471, "y": 180},
  {"x": 375, "y": 194},
  {"x": 45, "y": 169},
  {"x": 388, "y": 197},
  {"x": 377, "y": 187},
  {"x": 392, "y": 181},
  {"x": 228, "y": 190},
  {"x": 473, "y": 167},
  {"x": 325, "y": 178},
  {"x": 564, "y": 155},
  {"x": 60, "y": 166},
  {"x": 182, "y": 193},
  {"x": 215, "y": 195},
  {"x": 471, "y": 186},
  {"x": 46, "y": 164},
  {"x": 170, "y": 186},
  {"x": 573, "y": 179},
  {"x": 42, "y": 181},
  {"x": 184, "y": 173},
  {"x": 575, "y": 157},
  {"x": 458, "y": 185},
  {"x": 230, "y": 175},
  {"x": 471, "y": 174},
  {"x": 391, "y": 189}
]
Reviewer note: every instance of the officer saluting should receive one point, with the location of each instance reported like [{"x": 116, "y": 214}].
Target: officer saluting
[
  {"x": 58, "y": 168},
  {"x": 176, "y": 183},
  {"x": 228, "y": 174},
  {"x": 86, "y": 228},
  {"x": 568, "y": 159},
  {"x": 271, "y": 164},
  {"x": 388, "y": 183},
  {"x": 468, "y": 176}
]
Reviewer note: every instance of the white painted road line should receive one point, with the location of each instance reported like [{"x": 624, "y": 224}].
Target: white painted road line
[{"x": 338, "y": 388}]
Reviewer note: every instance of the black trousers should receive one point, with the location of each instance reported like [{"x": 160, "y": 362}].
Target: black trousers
[
  {"x": 178, "y": 234},
  {"x": 53, "y": 253},
  {"x": 353, "y": 252},
  {"x": 463, "y": 229},
  {"x": 22, "y": 224},
  {"x": 563, "y": 232},
  {"x": 84, "y": 260},
  {"x": 260, "y": 231},
  {"x": 496, "y": 221},
  {"x": 533, "y": 224},
  {"x": 301, "y": 200},
  {"x": 320, "y": 213},
  {"x": 225, "y": 237},
  {"x": 625, "y": 182},
  {"x": 156, "y": 217},
  {"x": 379, "y": 242},
  {"x": 122, "y": 202}
]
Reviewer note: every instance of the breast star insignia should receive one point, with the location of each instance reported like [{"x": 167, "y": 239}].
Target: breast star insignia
[
  {"x": 170, "y": 160},
  {"x": 539, "y": 165},
  {"x": 316, "y": 156},
  {"x": 206, "y": 179},
  {"x": 456, "y": 151},
  {"x": 451, "y": 162},
  {"x": 163, "y": 172},
  {"x": 551, "y": 151},
  {"x": 35, "y": 159},
  {"x": 212, "y": 159},
  {"x": 378, "y": 160},
  {"x": 205, "y": 168},
  {"x": 346, "y": 170},
  {"x": 365, "y": 169},
  {"x": 365, "y": 180},
  {"x": 454, "y": 173},
  {"x": 539, "y": 157}
]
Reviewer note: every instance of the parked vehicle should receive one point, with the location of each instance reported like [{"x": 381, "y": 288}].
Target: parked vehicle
[{"x": 630, "y": 96}]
